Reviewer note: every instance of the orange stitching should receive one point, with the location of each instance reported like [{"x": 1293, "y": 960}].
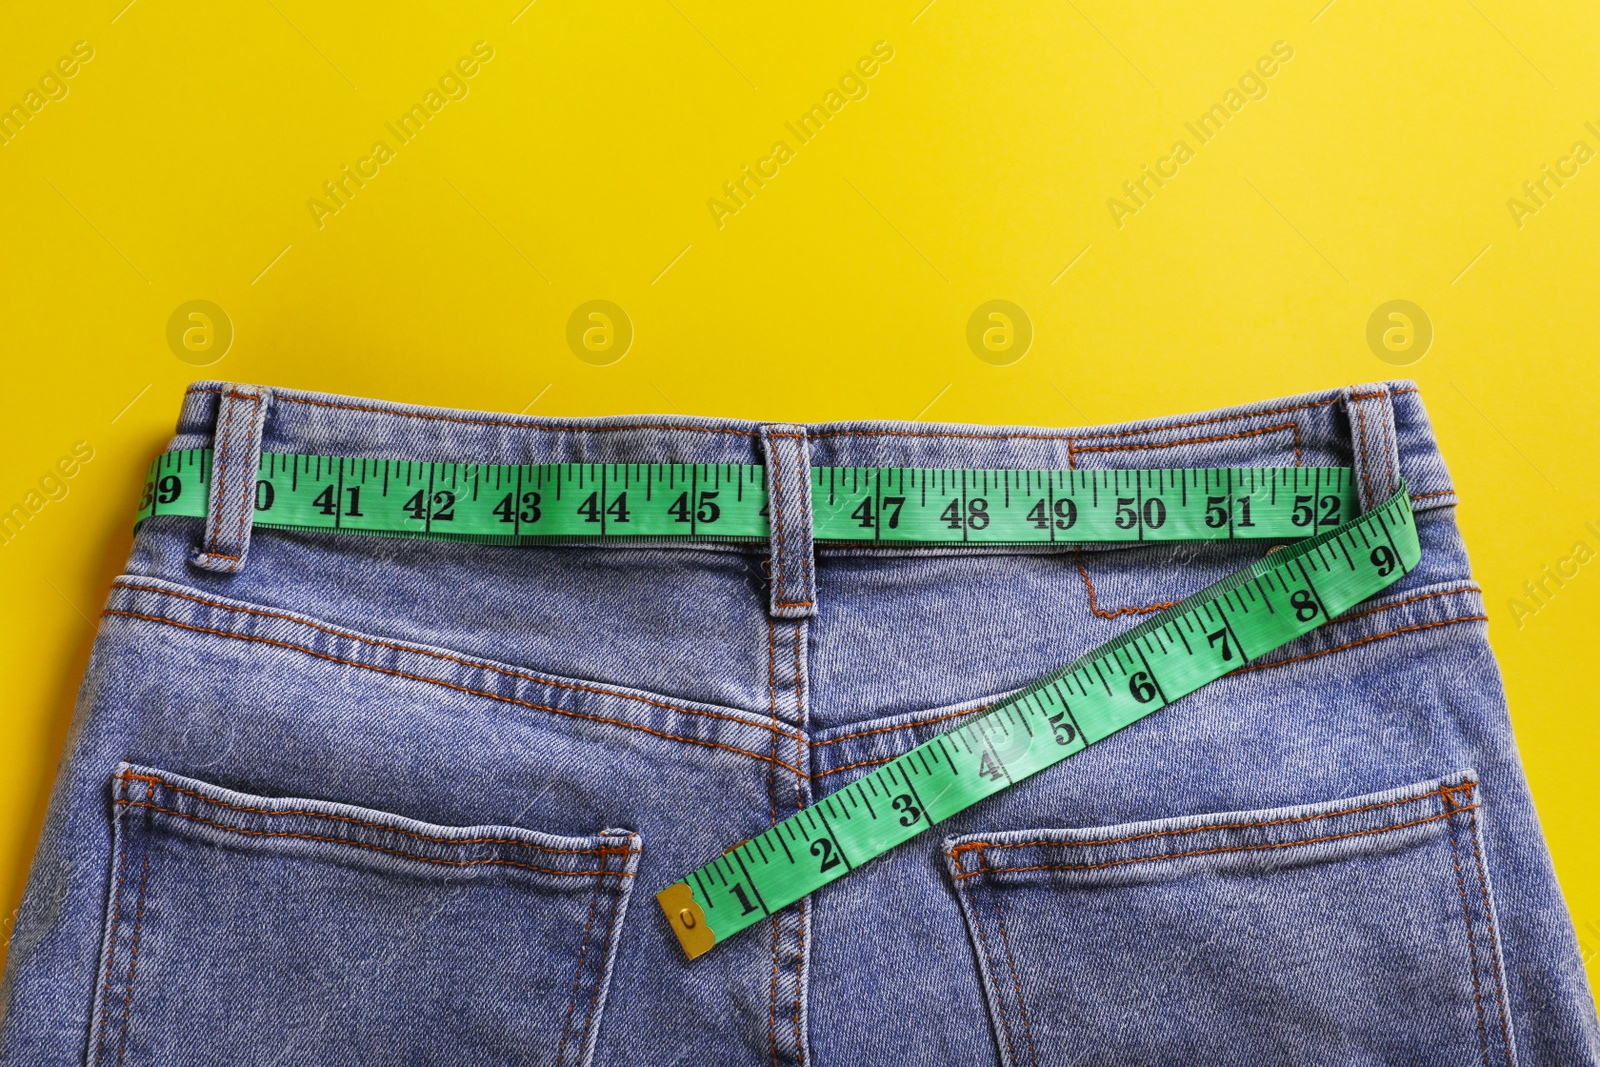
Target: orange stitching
[
  {"x": 1494, "y": 938},
  {"x": 1078, "y": 432},
  {"x": 1083, "y": 571},
  {"x": 776, "y": 522},
  {"x": 805, "y": 560},
  {"x": 983, "y": 940},
  {"x": 1360, "y": 641},
  {"x": 600, "y": 973},
  {"x": 447, "y": 685},
  {"x": 772, "y": 803},
  {"x": 583, "y": 950},
  {"x": 1022, "y": 1009},
  {"x": 1241, "y": 670},
  {"x": 852, "y": 766},
  {"x": 246, "y": 494},
  {"x": 1364, "y": 458},
  {"x": 800, "y": 716},
  {"x": 396, "y": 647},
  {"x": 564, "y": 428},
  {"x": 602, "y": 850},
  {"x": 799, "y": 967},
  {"x": 1409, "y": 600},
  {"x": 1294, "y": 426},
  {"x": 1210, "y": 851},
  {"x": 116, "y": 914},
  {"x": 1094, "y": 605},
  {"x": 559, "y": 428},
  {"x": 1425, "y": 496},
  {"x": 1199, "y": 829},
  {"x": 1472, "y": 948},
  {"x": 133, "y": 955},
  {"x": 363, "y": 844},
  {"x": 799, "y": 805},
  {"x": 902, "y": 726},
  {"x": 222, "y": 472},
  {"x": 772, "y": 1017}
]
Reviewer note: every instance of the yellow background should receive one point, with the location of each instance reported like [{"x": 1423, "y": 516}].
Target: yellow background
[{"x": 978, "y": 166}]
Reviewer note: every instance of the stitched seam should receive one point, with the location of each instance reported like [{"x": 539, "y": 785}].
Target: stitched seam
[
  {"x": 1079, "y": 430},
  {"x": 1294, "y": 426},
  {"x": 503, "y": 671},
  {"x": 852, "y": 766},
  {"x": 985, "y": 707},
  {"x": 111, "y": 952},
  {"x": 800, "y": 716},
  {"x": 902, "y": 726},
  {"x": 246, "y": 494},
  {"x": 776, "y": 511},
  {"x": 1365, "y": 458},
  {"x": 447, "y": 685},
  {"x": 1241, "y": 670},
  {"x": 1083, "y": 570},
  {"x": 803, "y": 462},
  {"x": 826, "y": 433},
  {"x": 776, "y": 508},
  {"x": 1425, "y": 496},
  {"x": 600, "y": 968},
  {"x": 1022, "y": 1009},
  {"x": 1094, "y": 436},
  {"x": 983, "y": 941},
  {"x": 1494, "y": 940},
  {"x": 1358, "y": 641},
  {"x": 772, "y": 803},
  {"x": 133, "y": 954},
  {"x": 1292, "y": 820},
  {"x": 1212, "y": 851},
  {"x": 1094, "y": 605},
  {"x": 583, "y": 951},
  {"x": 222, "y": 476},
  {"x": 1409, "y": 600},
  {"x": 799, "y": 967},
  {"x": 370, "y": 847},
  {"x": 374, "y": 825},
  {"x": 493, "y": 422},
  {"x": 1391, "y": 447},
  {"x": 1472, "y": 949}
]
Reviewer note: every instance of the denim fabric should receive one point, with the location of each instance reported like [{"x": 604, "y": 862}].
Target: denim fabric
[{"x": 358, "y": 800}]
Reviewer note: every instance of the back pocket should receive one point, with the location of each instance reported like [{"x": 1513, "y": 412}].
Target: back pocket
[
  {"x": 1358, "y": 931},
  {"x": 248, "y": 930}
]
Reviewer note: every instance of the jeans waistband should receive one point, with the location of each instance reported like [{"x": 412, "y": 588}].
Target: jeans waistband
[{"x": 1381, "y": 429}]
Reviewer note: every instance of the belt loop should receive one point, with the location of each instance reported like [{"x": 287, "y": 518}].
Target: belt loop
[
  {"x": 788, "y": 460},
  {"x": 1372, "y": 438},
  {"x": 235, "y": 460}
]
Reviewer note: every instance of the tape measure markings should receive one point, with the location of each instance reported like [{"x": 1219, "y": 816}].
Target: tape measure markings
[
  {"x": 1217, "y": 630},
  {"x": 542, "y": 503}
]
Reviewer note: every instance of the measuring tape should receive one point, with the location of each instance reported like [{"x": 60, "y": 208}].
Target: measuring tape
[
  {"x": 1213, "y": 632},
  {"x": 577, "y": 502},
  {"x": 1343, "y": 559}
]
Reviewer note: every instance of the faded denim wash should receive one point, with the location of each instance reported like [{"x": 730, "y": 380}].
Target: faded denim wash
[{"x": 334, "y": 799}]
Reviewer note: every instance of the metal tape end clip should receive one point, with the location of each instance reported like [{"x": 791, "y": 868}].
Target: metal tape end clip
[{"x": 687, "y": 920}]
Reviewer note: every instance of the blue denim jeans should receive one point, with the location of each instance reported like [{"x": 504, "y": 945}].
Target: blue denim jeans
[{"x": 334, "y": 799}]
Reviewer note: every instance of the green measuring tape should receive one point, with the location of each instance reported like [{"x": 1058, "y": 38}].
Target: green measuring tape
[
  {"x": 1211, "y": 633},
  {"x": 1339, "y": 560},
  {"x": 577, "y": 502}
]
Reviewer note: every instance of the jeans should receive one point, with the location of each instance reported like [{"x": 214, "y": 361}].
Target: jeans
[{"x": 341, "y": 799}]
